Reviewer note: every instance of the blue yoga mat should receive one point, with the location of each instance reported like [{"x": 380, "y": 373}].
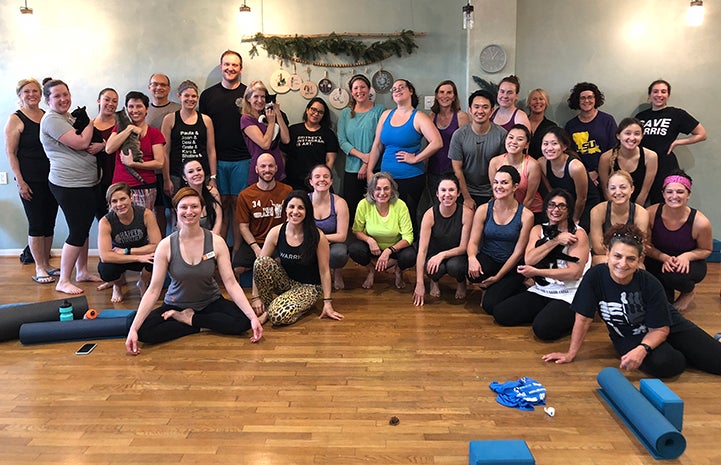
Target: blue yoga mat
[
  {"x": 654, "y": 431},
  {"x": 75, "y": 330}
]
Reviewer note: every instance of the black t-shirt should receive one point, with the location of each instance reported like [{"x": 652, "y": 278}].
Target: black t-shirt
[
  {"x": 305, "y": 150},
  {"x": 221, "y": 105},
  {"x": 628, "y": 310}
]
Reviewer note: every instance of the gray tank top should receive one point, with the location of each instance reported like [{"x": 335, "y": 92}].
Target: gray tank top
[{"x": 192, "y": 286}]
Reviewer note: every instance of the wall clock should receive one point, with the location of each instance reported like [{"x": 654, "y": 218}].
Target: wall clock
[{"x": 493, "y": 58}]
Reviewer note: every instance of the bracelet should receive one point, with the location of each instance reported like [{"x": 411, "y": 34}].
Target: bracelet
[
  {"x": 212, "y": 176},
  {"x": 327, "y": 299},
  {"x": 127, "y": 251},
  {"x": 647, "y": 347},
  {"x": 393, "y": 249},
  {"x": 254, "y": 298},
  {"x": 252, "y": 244}
]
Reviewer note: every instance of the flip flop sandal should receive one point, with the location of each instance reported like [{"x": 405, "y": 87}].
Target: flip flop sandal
[
  {"x": 43, "y": 279},
  {"x": 54, "y": 272}
]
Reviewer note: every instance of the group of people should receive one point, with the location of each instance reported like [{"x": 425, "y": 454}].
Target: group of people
[{"x": 228, "y": 158}]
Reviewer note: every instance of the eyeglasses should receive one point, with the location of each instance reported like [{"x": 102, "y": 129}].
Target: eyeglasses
[
  {"x": 316, "y": 111},
  {"x": 561, "y": 206},
  {"x": 398, "y": 88},
  {"x": 159, "y": 84},
  {"x": 587, "y": 97}
]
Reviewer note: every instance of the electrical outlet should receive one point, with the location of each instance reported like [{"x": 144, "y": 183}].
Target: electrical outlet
[
  {"x": 3, "y": 177},
  {"x": 428, "y": 102}
]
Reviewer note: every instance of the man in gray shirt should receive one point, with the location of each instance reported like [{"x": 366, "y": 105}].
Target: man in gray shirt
[{"x": 473, "y": 146}]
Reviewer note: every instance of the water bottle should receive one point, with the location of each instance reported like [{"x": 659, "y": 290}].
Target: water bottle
[{"x": 66, "y": 311}]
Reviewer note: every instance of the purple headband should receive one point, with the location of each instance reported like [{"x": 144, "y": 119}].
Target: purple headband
[{"x": 679, "y": 179}]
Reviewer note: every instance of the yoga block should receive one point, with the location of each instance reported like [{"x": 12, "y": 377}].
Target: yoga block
[
  {"x": 664, "y": 399},
  {"x": 506, "y": 452}
]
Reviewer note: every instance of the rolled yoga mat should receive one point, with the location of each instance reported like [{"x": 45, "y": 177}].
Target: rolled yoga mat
[
  {"x": 76, "y": 330},
  {"x": 12, "y": 316},
  {"x": 654, "y": 431}
]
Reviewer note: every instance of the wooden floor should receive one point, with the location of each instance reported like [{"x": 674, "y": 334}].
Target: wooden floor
[{"x": 322, "y": 392}]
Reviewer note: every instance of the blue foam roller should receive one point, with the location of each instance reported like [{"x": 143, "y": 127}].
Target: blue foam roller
[
  {"x": 76, "y": 330},
  {"x": 654, "y": 431},
  {"x": 114, "y": 313},
  {"x": 664, "y": 400},
  {"x": 505, "y": 451},
  {"x": 12, "y": 316}
]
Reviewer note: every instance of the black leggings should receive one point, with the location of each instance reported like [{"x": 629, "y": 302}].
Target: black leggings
[
  {"x": 456, "y": 267},
  {"x": 510, "y": 284},
  {"x": 79, "y": 205},
  {"x": 221, "y": 315},
  {"x": 551, "y": 319},
  {"x": 110, "y": 272},
  {"x": 360, "y": 253},
  {"x": 693, "y": 347},
  {"x": 682, "y": 282},
  {"x": 354, "y": 190},
  {"x": 410, "y": 191},
  {"x": 41, "y": 210}
]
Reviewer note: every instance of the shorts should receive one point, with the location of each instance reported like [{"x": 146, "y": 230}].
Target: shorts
[{"x": 232, "y": 176}]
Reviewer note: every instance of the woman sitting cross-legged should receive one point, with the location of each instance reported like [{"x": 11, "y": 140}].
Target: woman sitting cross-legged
[
  {"x": 191, "y": 256},
  {"x": 498, "y": 239},
  {"x": 445, "y": 230},
  {"x": 127, "y": 237},
  {"x": 383, "y": 228},
  {"x": 556, "y": 258},
  {"x": 303, "y": 274},
  {"x": 646, "y": 331}
]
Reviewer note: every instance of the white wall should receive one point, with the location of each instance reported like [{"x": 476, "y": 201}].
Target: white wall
[
  {"x": 622, "y": 46},
  {"x": 91, "y": 45}
]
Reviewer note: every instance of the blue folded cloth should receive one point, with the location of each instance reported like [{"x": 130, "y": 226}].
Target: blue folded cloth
[{"x": 522, "y": 394}]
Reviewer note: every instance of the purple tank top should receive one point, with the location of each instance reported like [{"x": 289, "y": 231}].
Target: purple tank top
[
  {"x": 328, "y": 225},
  {"x": 439, "y": 163},
  {"x": 673, "y": 242},
  {"x": 511, "y": 122}
]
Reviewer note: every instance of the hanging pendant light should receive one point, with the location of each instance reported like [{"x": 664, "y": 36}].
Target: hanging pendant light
[
  {"x": 468, "y": 15},
  {"x": 26, "y": 10},
  {"x": 694, "y": 15}
]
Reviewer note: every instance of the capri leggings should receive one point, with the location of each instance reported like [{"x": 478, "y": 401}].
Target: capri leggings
[
  {"x": 41, "y": 210},
  {"x": 78, "y": 205},
  {"x": 294, "y": 298}
]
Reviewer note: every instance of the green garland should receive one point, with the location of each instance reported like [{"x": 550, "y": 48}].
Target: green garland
[{"x": 307, "y": 49}]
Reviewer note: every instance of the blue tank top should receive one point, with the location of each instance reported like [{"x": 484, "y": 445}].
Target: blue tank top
[
  {"x": 328, "y": 225},
  {"x": 499, "y": 240},
  {"x": 403, "y": 138}
]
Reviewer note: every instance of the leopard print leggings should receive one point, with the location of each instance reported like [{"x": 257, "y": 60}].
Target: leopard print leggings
[{"x": 294, "y": 298}]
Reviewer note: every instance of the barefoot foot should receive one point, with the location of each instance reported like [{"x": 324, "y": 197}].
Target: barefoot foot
[
  {"x": 461, "y": 290},
  {"x": 684, "y": 300},
  {"x": 184, "y": 316},
  {"x": 368, "y": 283},
  {"x": 104, "y": 286},
  {"x": 400, "y": 283},
  {"x": 88, "y": 278},
  {"x": 68, "y": 288},
  {"x": 117, "y": 294},
  {"x": 338, "y": 283},
  {"x": 435, "y": 289}
]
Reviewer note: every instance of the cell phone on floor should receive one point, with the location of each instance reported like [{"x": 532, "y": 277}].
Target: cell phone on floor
[{"x": 85, "y": 349}]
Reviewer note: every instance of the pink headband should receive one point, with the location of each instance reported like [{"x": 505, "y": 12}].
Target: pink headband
[{"x": 679, "y": 179}]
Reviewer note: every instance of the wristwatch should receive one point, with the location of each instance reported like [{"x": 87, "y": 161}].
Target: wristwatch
[
  {"x": 646, "y": 346},
  {"x": 212, "y": 176}
]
